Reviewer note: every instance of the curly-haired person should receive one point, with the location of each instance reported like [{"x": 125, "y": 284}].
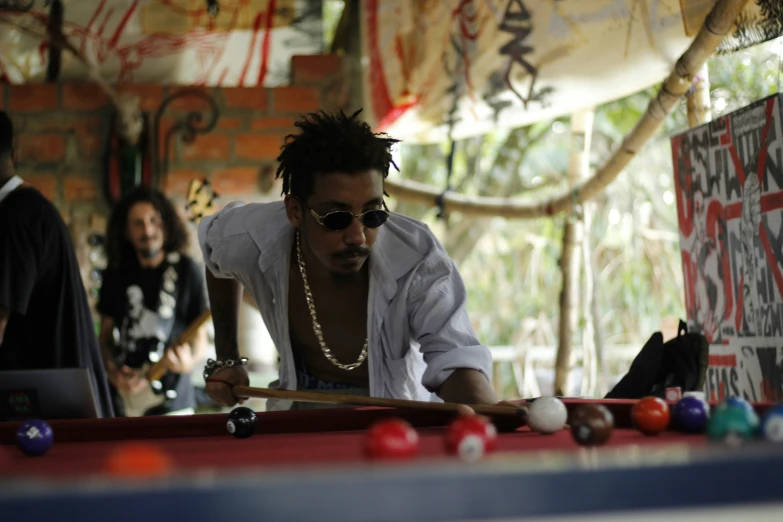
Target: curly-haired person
[
  {"x": 151, "y": 293},
  {"x": 357, "y": 299}
]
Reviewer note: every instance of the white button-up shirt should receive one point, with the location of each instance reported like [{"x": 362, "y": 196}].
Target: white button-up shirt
[{"x": 418, "y": 330}]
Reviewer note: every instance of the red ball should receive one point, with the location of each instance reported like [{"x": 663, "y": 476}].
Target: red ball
[
  {"x": 139, "y": 460},
  {"x": 391, "y": 439},
  {"x": 651, "y": 415},
  {"x": 470, "y": 437}
]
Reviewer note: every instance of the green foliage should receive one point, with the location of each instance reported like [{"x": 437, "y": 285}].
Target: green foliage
[{"x": 511, "y": 268}]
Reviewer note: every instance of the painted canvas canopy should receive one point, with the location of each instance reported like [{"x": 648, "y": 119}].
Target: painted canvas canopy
[
  {"x": 430, "y": 67},
  {"x": 466, "y": 66},
  {"x": 239, "y": 43}
]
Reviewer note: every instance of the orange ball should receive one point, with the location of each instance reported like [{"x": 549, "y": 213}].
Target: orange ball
[
  {"x": 651, "y": 415},
  {"x": 138, "y": 460}
]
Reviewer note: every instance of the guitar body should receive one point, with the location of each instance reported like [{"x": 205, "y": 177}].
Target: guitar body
[
  {"x": 136, "y": 405},
  {"x": 152, "y": 394}
]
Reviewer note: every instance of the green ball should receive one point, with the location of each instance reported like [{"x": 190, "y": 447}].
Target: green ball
[{"x": 732, "y": 423}]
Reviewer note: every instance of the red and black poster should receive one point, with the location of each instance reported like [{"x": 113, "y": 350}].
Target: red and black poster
[{"x": 729, "y": 190}]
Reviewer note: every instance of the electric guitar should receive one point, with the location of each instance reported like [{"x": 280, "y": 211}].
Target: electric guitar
[
  {"x": 201, "y": 200},
  {"x": 153, "y": 395},
  {"x": 200, "y": 204}
]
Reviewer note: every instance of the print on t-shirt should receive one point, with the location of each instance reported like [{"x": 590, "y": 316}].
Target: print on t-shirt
[
  {"x": 144, "y": 332},
  {"x": 142, "y": 323}
]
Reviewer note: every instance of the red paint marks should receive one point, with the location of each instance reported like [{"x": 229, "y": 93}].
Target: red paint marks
[
  {"x": 771, "y": 259},
  {"x": 764, "y": 133},
  {"x": 270, "y": 18},
  {"x": 256, "y": 27},
  {"x": 738, "y": 167},
  {"x": 682, "y": 162},
  {"x": 396, "y": 112},
  {"x": 123, "y": 22},
  {"x": 104, "y": 36},
  {"x": 729, "y": 360},
  {"x": 222, "y": 77},
  {"x": 769, "y": 202},
  {"x": 740, "y": 313},
  {"x": 379, "y": 92},
  {"x": 767, "y": 391},
  {"x": 89, "y": 25}
]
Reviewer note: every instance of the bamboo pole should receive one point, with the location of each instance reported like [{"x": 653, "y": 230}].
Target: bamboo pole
[
  {"x": 573, "y": 234},
  {"x": 718, "y": 24},
  {"x": 699, "y": 105}
]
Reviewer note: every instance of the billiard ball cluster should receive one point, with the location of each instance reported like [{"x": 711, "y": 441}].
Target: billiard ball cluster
[
  {"x": 468, "y": 437},
  {"x": 735, "y": 421}
]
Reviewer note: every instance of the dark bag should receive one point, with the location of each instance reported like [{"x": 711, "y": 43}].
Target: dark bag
[{"x": 679, "y": 363}]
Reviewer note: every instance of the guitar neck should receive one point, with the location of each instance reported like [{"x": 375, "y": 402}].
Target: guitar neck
[{"x": 158, "y": 369}]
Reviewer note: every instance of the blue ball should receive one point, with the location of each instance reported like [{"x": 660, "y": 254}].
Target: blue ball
[
  {"x": 739, "y": 401},
  {"x": 771, "y": 428},
  {"x": 34, "y": 437},
  {"x": 691, "y": 415},
  {"x": 745, "y": 405}
]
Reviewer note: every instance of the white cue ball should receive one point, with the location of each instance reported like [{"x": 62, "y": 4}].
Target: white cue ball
[{"x": 547, "y": 415}]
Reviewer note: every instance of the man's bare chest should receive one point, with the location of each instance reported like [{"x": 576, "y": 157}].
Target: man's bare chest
[{"x": 342, "y": 317}]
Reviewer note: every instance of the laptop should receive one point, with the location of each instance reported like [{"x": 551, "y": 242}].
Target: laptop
[{"x": 64, "y": 393}]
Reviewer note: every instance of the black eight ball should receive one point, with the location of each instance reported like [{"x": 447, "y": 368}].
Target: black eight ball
[{"x": 241, "y": 422}]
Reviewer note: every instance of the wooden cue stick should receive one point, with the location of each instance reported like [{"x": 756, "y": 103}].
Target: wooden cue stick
[{"x": 489, "y": 410}]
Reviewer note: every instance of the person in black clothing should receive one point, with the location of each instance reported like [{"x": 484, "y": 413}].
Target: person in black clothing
[
  {"x": 151, "y": 292},
  {"x": 45, "y": 319}
]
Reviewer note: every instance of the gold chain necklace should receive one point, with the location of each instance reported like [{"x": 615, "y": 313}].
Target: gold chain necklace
[{"x": 316, "y": 324}]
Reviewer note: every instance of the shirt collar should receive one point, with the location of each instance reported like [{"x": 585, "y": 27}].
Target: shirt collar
[{"x": 9, "y": 186}]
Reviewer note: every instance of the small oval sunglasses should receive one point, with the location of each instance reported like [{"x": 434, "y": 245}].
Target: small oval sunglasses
[{"x": 341, "y": 219}]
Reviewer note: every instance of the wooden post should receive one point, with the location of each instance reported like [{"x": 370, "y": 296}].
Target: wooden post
[
  {"x": 578, "y": 170},
  {"x": 593, "y": 360}
]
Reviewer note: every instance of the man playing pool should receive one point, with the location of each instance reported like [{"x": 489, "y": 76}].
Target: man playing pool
[{"x": 358, "y": 300}]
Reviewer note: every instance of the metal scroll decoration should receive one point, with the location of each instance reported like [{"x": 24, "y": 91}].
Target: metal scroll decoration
[
  {"x": 127, "y": 150},
  {"x": 189, "y": 127}
]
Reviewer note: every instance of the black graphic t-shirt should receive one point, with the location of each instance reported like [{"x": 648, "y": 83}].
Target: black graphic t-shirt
[
  {"x": 51, "y": 325},
  {"x": 137, "y": 297}
]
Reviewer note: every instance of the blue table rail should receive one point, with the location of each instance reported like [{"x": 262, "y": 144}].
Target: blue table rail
[{"x": 605, "y": 482}]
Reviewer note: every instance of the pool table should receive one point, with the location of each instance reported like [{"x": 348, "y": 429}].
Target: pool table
[{"x": 308, "y": 465}]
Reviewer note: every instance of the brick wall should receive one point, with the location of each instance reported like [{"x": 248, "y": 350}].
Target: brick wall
[{"x": 60, "y": 136}]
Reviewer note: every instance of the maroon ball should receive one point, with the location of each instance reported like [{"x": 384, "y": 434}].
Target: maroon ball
[{"x": 591, "y": 425}]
